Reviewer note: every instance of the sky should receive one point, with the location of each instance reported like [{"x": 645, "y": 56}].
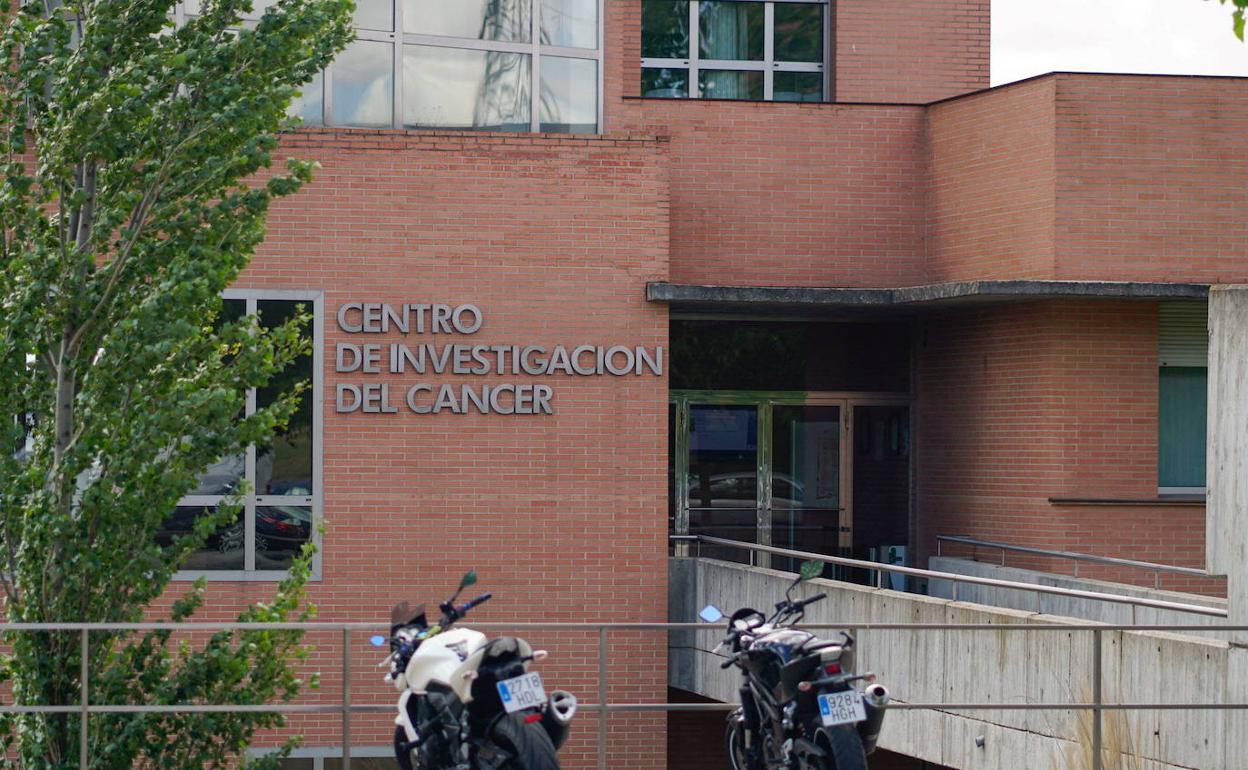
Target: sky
[{"x": 1175, "y": 37}]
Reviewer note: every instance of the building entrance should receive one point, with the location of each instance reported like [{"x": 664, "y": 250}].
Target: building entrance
[{"x": 822, "y": 472}]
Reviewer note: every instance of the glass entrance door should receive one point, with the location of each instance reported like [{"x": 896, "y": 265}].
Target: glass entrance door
[
  {"x": 722, "y": 474},
  {"x": 806, "y": 471}
]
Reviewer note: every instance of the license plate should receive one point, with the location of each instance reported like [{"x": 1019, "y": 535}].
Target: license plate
[
  {"x": 842, "y": 708},
  {"x": 522, "y": 692}
]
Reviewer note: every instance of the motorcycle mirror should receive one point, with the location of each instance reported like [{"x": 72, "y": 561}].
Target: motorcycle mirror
[
  {"x": 811, "y": 569},
  {"x": 378, "y": 641},
  {"x": 469, "y": 579},
  {"x": 710, "y": 614}
]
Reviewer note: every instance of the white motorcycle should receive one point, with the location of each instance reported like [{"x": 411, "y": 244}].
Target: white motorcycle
[{"x": 468, "y": 702}]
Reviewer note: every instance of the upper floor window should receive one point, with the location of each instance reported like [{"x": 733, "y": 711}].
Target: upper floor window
[
  {"x": 491, "y": 65},
  {"x": 732, "y": 49}
]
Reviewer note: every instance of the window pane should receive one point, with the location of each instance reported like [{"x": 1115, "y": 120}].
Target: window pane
[
  {"x": 457, "y": 88},
  {"x": 730, "y": 30},
  {"x": 571, "y": 23},
  {"x": 309, "y": 105},
  {"x": 667, "y": 83},
  {"x": 281, "y": 530},
  {"x": 374, "y": 14},
  {"x": 799, "y": 32},
  {"x": 224, "y": 476},
  {"x": 222, "y": 551},
  {"x": 730, "y": 84},
  {"x": 665, "y": 29},
  {"x": 472, "y": 19},
  {"x": 363, "y": 85},
  {"x": 797, "y": 87},
  {"x": 569, "y": 101},
  {"x": 1182, "y": 426},
  {"x": 285, "y": 467},
  {"x": 723, "y": 485}
]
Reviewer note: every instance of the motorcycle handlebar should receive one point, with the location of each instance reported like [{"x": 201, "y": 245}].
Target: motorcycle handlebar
[
  {"x": 812, "y": 600},
  {"x": 482, "y": 599}
]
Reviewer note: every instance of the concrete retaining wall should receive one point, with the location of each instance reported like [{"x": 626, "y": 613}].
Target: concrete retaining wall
[
  {"x": 991, "y": 667},
  {"x": 1087, "y": 609}
]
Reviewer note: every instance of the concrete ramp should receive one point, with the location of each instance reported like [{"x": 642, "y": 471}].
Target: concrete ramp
[{"x": 1006, "y": 667}]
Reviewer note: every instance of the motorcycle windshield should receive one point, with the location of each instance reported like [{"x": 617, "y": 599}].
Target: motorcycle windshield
[{"x": 404, "y": 614}]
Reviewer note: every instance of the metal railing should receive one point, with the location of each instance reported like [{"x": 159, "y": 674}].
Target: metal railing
[
  {"x": 603, "y": 706},
  {"x": 880, "y": 569},
  {"x": 1077, "y": 558}
]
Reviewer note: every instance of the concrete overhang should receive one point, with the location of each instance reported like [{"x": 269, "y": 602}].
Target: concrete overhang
[{"x": 694, "y": 298}]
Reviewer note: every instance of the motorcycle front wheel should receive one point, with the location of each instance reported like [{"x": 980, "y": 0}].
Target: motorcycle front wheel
[
  {"x": 843, "y": 746},
  {"x": 741, "y": 757}
]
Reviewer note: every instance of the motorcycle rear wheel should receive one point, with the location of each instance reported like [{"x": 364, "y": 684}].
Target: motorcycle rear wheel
[
  {"x": 843, "y": 746},
  {"x": 529, "y": 742}
]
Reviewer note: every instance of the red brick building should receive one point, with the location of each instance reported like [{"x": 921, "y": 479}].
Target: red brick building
[{"x": 856, "y": 299}]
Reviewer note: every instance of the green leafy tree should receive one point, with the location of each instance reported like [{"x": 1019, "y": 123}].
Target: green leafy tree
[
  {"x": 1237, "y": 16},
  {"x": 135, "y": 188}
]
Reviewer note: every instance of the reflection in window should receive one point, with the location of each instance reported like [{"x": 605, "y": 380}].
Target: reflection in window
[
  {"x": 665, "y": 29},
  {"x": 742, "y": 50},
  {"x": 363, "y": 85},
  {"x": 466, "y": 64},
  {"x": 799, "y": 32},
  {"x": 224, "y": 549},
  {"x": 309, "y": 105},
  {"x": 664, "y": 83},
  {"x": 503, "y": 20},
  {"x": 731, "y": 30},
  {"x": 570, "y": 23},
  {"x": 279, "y": 510},
  {"x": 460, "y": 88},
  {"x": 281, "y": 531},
  {"x": 798, "y": 87},
  {"x": 569, "y": 95},
  {"x": 374, "y": 14},
  {"x": 730, "y": 84},
  {"x": 285, "y": 466}
]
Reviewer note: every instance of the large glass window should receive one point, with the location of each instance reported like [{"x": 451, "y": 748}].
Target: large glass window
[
  {"x": 491, "y": 65},
  {"x": 280, "y": 511},
  {"x": 740, "y": 50}
]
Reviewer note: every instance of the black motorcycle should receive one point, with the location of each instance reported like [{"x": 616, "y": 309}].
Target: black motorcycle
[
  {"x": 800, "y": 708},
  {"x": 468, "y": 702}
]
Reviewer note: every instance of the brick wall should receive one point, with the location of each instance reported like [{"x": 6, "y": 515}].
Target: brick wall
[
  {"x": 793, "y": 195},
  {"x": 1020, "y": 404},
  {"x": 1151, "y": 178},
  {"x": 991, "y": 195},
  {"x": 1090, "y": 177},
  {"x": 563, "y": 516},
  {"x": 910, "y": 50}
]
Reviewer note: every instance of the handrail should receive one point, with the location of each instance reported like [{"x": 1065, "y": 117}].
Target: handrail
[
  {"x": 1074, "y": 556},
  {"x": 955, "y": 578},
  {"x": 603, "y": 707}
]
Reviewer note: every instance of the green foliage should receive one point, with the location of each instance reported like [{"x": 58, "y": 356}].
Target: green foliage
[
  {"x": 130, "y": 198},
  {"x": 1237, "y": 18}
]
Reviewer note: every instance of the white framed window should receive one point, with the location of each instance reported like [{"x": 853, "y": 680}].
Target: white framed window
[
  {"x": 735, "y": 49},
  {"x": 284, "y": 506},
  {"x": 488, "y": 65}
]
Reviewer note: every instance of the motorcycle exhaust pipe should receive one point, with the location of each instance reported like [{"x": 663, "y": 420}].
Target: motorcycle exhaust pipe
[
  {"x": 875, "y": 700},
  {"x": 557, "y": 718}
]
